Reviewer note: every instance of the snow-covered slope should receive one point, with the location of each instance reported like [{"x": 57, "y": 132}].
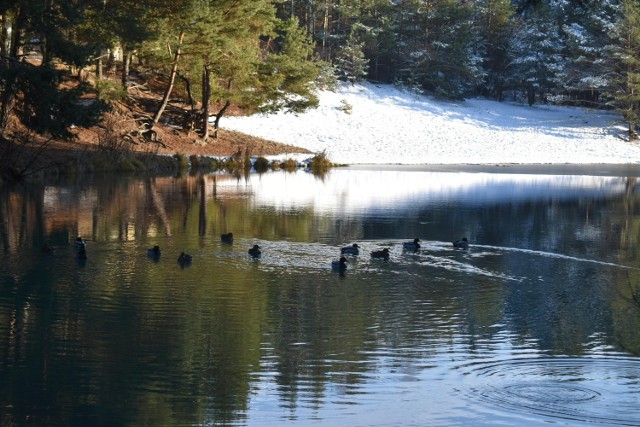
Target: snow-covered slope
[{"x": 387, "y": 125}]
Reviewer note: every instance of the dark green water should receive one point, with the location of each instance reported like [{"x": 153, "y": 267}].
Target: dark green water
[{"x": 537, "y": 322}]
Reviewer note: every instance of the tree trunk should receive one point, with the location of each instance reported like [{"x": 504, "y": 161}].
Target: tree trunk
[
  {"x": 219, "y": 114},
  {"x": 4, "y": 35},
  {"x": 310, "y": 18},
  {"x": 44, "y": 41},
  {"x": 531, "y": 95},
  {"x": 633, "y": 135},
  {"x": 111, "y": 63},
  {"x": 6, "y": 98},
  {"x": 126, "y": 65},
  {"x": 325, "y": 29},
  {"x": 216, "y": 123},
  {"x": 206, "y": 97},
  {"x": 172, "y": 79},
  {"x": 7, "y": 94},
  {"x": 187, "y": 83},
  {"x": 99, "y": 75}
]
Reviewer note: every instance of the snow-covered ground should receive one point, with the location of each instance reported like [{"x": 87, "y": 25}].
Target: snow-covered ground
[{"x": 387, "y": 125}]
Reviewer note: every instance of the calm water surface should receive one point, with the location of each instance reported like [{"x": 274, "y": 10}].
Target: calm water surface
[{"x": 537, "y": 323}]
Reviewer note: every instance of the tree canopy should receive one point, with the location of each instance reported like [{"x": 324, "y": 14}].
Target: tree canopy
[{"x": 268, "y": 55}]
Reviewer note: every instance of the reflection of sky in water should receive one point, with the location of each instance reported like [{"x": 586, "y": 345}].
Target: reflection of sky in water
[
  {"x": 522, "y": 329},
  {"x": 345, "y": 190}
]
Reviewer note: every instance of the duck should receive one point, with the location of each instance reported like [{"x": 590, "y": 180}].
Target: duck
[
  {"x": 82, "y": 253},
  {"x": 227, "y": 238},
  {"x": 80, "y": 243},
  {"x": 339, "y": 265},
  {"x": 255, "y": 251},
  {"x": 412, "y": 246},
  {"x": 47, "y": 249},
  {"x": 351, "y": 250},
  {"x": 184, "y": 258},
  {"x": 384, "y": 253},
  {"x": 461, "y": 244},
  {"x": 154, "y": 251}
]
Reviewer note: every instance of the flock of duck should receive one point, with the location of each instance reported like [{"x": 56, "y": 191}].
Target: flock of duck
[
  {"x": 354, "y": 249},
  {"x": 184, "y": 258},
  {"x": 337, "y": 265}
]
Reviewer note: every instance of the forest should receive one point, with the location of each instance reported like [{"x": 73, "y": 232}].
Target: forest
[{"x": 271, "y": 55}]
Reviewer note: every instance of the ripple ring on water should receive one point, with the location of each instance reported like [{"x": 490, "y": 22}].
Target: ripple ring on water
[
  {"x": 594, "y": 390},
  {"x": 551, "y": 393}
]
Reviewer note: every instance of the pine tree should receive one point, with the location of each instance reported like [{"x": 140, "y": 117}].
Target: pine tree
[
  {"x": 350, "y": 63},
  {"x": 371, "y": 23},
  {"x": 494, "y": 28},
  {"x": 289, "y": 73},
  {"x": 627, "y": 80},
  {"x": 588, "y": 30},
  {"x": 226, "y": 43},
  {"x": 124, "y": 25},
  {"x": 537, "y": 64},
  {"x": 45, "y": 106},
  {"x": 435, "y": 47},
  {"x": 173, "y": 21}
]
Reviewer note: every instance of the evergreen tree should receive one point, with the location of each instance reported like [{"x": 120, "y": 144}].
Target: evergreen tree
[
  {"x": 226, "y": 41},
  {"x": 290, "y": 72},
  {"x": 627, "y": 68},
  {"x": 435, "y": 41},
  {"x": 45, "y": 106},
  {"x": 350, "y": 63},
  {"x": 173, "y": 21},
  {"x": 588, "y": 30},
  {"x": 537, "y": 63},
  {"x": 124, "y": 25},
  {"x": 494, "y": 29},
  {"x": 371, "y": 23}
]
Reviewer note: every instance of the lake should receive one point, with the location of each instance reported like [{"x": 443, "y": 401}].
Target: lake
[{"x": 536, "y": 323}]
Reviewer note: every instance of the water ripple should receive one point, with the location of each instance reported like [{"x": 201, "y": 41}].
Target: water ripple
[
  {"x": 555, "y": 255},
  {"x": 603, "y": 390}
]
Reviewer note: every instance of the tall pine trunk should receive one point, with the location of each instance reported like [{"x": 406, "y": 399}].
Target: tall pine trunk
[
  {"x": 4, "y": 35},
  {"x": 126, "y": 65},
  {"x": 7, "y": 94},
  {"x": 325, "y": 29},
  {"x": 172, "y": 79},
  {"x": 100, "y": 65},
  {"x": 206, "y": 97}
]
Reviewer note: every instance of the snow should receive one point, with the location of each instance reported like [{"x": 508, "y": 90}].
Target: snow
[{"x": 388, "y": 125}]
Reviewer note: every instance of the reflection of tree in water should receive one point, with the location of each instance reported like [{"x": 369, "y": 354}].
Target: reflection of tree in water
[
  {"x": 158, "y": 203},
  {"x": 209, "y": 338}
]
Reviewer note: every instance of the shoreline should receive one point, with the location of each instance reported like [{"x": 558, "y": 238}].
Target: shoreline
[{"x": 592, "y": 169}]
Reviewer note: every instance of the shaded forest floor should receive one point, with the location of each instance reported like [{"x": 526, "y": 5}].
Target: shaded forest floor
[
  {"x": 143, "y": 99},
  {"x": 119, "y": 134}
]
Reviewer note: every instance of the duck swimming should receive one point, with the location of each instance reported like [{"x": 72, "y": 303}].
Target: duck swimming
[
  {"x": 154, "y": 251},
  {"x": 255, "y": 251},
  {"x": 412, "y": 246},
  {"x": 184, "y": 258},
  {"x": 227, "y": 238},
  {"x": 384, "y": 253},
  {"x": 80, "y": 243},
  {"x": 461, "y": 244},
  {"x": 351, "y": 250},
  {"x": 339, "y": 265}
]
